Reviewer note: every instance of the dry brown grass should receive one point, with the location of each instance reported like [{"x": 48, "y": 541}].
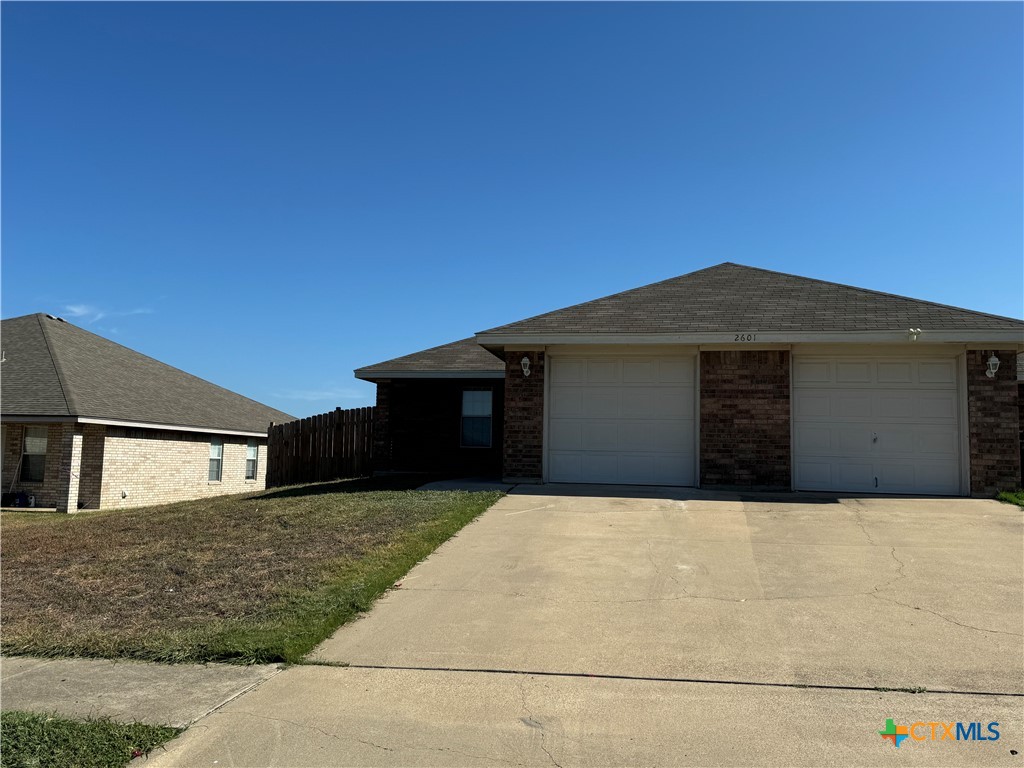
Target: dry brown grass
[{"x": 257, "y": 578}]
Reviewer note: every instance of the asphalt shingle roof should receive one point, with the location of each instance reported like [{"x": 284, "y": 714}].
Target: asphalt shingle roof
[
  {"x": 464, "y": 355},
  {"x": 54, "y": 368},
  {"x": 734, "y": 297}
]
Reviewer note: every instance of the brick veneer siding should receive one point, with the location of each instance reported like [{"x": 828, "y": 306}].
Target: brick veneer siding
[
  {"x": 994, "y": 421},
  {"x": 524, "y": 418},
  {"x": 157, "y": 467},
  {"x": 424, "y": 426},
  {"x": 382, "y": 427},
  {"x": 744, "y": 419},
  {"x": 91, "y": 484},
  {"x": 48, "y": 490}
]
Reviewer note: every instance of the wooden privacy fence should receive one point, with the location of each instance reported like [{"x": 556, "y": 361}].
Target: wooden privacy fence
[{"x": 328, "y": 446}]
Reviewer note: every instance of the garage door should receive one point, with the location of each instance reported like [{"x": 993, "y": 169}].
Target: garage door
[
  {"x": 623, "y": 420},
  {"x": 876, "y": 425}
]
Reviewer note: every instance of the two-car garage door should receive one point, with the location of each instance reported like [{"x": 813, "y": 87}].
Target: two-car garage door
[
  {"x": 626, "y": 420},
  {"x": 881, "y": 425}
]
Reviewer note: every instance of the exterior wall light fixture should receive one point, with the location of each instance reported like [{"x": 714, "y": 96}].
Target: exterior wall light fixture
[
  {"x": 525, "y": 362},
  {"x": 993, "y": 366}
]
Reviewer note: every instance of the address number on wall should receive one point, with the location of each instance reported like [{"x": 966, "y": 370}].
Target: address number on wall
[{"x": 746, "y": 337}]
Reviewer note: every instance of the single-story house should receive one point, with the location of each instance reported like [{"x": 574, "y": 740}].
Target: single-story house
[
  {"x": 729, "y": 376},
  {"x": 90, "y": 424}
]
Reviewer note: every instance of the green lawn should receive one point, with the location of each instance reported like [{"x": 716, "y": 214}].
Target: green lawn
[
  {"x": 31, "y": 740},
  {"x": 1012, "y": 497},
  {"x": 250, "y": 578}
]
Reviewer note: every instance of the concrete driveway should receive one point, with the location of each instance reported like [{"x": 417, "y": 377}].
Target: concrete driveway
[{"x": 603, "y": 626}]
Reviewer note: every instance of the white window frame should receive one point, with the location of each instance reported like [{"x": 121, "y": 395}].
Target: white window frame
[
  {"x": 45, "y": 430},
  {"x": 252, "y": 453},
  {"x": 490, "y": 417},
  {"x": 216, "y": 455}
]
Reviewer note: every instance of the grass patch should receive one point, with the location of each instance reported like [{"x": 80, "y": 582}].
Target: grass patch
[
  {"x": 251, "y": 578},
  {"x": 1012, "y": 497},
  {"x": 32, "y": 740}
]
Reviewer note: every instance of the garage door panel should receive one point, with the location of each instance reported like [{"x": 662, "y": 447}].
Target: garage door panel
[
  {"x": 894, "y": 372},
  {"x": 600, "y": 403},
  {"x": 812, "y": 372},
  {"x": 853, "y": 373},
  {"x": 939, "y": 372},
  {"x": 600, "y": 436},
  {"x": 602, "y": 371},
  {"x": 813, "y": 439},
  {"x": 567, "y": 371},
  {"x": 567, "y": 402},
  {"x": 566, "y": 435},
  {"x": 622, "y": 420},
  {"x": 882, "y": 425},
  {"x": 657, "y": 402}
]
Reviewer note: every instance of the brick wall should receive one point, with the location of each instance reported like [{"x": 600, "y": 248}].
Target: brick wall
[
  {"x": 744, "y": 419},
  {"x": 46, "y": 492},
  {"x": 425, "y": 427},
  {"x": 994, "y": 422},
  {"x": 524, "y": 417},
  {"x": 382, "y": 427},
  {"x": 91, "y": 482},
  {"x": 155, "y": 467}
]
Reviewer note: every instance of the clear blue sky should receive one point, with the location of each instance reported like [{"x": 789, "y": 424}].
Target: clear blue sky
[{"x": 270, "y": 195}]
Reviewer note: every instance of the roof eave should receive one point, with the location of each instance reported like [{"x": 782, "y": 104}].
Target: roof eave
[
  {"x": 494, "y": 340},
  {"x": 365, "y": 375}
]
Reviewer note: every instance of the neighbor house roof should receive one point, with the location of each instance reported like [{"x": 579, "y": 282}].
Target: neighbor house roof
[
  {"x": 56, "y": 369},
  {"x": 731, "y": 297},
  {"x": 464, "y": 358}
]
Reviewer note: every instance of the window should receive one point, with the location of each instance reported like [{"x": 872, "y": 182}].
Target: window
[
  {"x": 216, "y": 457},
  {"x": 252, "y": 452},
  {"x": 33, "y": 456},
  {"x": 476, "y": 418}
]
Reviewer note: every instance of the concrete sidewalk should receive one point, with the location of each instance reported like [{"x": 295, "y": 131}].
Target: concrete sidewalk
[
  {"x": 127, "y": 691},
  {"x": 329, "y": 716}
]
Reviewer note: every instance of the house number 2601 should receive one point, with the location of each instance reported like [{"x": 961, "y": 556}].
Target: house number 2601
[{"x": 746, "y": 337}]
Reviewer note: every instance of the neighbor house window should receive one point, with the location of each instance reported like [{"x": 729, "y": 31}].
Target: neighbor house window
[
  {"x": 252, "y": 452},
  {"x": 33, "y": 457},
  {"x": 216, "y": 457},
  {"x": 476, "y": 418}
]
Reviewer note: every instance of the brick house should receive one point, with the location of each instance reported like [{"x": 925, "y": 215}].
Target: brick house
[
  {"x": 90, "y": 424},
  {"x": 730, "y": 377}
]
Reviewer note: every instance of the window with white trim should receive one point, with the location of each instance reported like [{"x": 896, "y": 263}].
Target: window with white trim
[
  {"x": 252, "y": 453},
  {"x": 33, "y": 455},
  {"x": 476, "y": 418},
  {"x": 216, "y": 458}
]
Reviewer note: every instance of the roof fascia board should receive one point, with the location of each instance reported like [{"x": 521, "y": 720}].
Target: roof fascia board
[
  {"x": 170, "y": 427},
  {"x": 373, "y": 375},
  {"x": 732, "y": 338}
]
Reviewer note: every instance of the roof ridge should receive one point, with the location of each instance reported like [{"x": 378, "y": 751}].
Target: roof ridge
[
  {"x": 69, "y": 400},
  {"x": 872, "y": 291}
]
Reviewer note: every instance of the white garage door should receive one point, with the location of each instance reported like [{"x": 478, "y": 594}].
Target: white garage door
[
  {"x": 876, "y": 425},
  {"x": 626, "y": 420}
]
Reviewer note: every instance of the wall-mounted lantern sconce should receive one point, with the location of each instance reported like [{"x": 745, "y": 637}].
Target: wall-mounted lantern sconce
[
  {"x": 525, "y": 362},
  {"x": 993, "y": 366}
]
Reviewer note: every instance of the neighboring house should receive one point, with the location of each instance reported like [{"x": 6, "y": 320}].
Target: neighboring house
[
  {"x": 730, "y": 376},
  {"x": 89, "y": 424}
]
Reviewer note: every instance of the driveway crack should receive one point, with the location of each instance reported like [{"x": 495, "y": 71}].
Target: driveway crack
[{"x": 532, "y": 722}]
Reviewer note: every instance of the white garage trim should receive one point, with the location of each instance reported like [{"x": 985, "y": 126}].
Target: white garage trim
[
  {"x": 880, "y": 424},
  {"x": 627, "y": 419}
]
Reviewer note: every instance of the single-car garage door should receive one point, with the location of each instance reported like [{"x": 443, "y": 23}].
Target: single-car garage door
[
  {"x": 627, "y": 420},
  {"x": 876, "y": 425}
]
